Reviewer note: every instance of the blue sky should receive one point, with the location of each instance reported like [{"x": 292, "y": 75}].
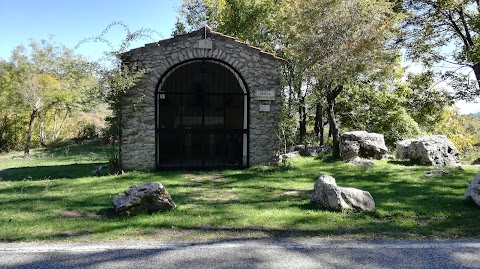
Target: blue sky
[{"x": 70, "y": 21}]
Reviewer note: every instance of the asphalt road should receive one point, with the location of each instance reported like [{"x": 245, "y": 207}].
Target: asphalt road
[{"x": 280, "y": 253}]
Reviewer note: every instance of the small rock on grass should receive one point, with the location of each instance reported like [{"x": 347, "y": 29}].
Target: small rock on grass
[
  {"x": 436, "y": 173},
  {"x": 361, "y": 162},
  {"x": 149, "y": 197},
  {"x": 330, "y": 196},
  {"x": 101, "y": 170}
]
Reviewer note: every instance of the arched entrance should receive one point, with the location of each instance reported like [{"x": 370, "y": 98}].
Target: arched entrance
[{"x": 201, "y": 116}]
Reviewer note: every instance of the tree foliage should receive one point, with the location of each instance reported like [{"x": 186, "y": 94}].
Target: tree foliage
[
  {"x": 41, "y": 78},
  {"x": 446, "y": 31},
  {"x": 252, "y": 21},
  {"x": 343, "y": 62},
  {"x": 423, "y": 102},
  {"x": 116, "y": 75},
  {"x": 453, "y": 125},
  {"x": 378, "y": 110},
  {"x": 343, "y": 42}
]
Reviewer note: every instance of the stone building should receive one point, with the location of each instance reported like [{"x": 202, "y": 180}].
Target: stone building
[{"x": 207, "y": 100}]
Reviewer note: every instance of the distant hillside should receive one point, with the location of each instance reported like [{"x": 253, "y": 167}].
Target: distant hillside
[{"x": 477, "y": 114}]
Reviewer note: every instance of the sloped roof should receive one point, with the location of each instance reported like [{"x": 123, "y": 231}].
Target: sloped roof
[{"x": 207, "y": 31}]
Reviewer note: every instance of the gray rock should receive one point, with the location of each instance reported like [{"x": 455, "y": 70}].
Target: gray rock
[
  {"x": 473, "y": 191},
  {"x": 435, "y": 173},
  {"x": 362, "y": 144},
  {"x": 328, "y": 195},
  {"x": 298, "y": 147},
  {"x": 390, "y": 156},
  {"x": 325, "y": 149},
  {"x": 435, "y": 150},
  {"x": 288, "y": 155},
  {"x": 101, "y": 170},
  {"x": 349, "y": 150},
  {"x": 361, "y": 162},
  {"x": 301, "y": 151},
  {"x": 402, "y": 149},
  {"x": 149, "y": 197}
]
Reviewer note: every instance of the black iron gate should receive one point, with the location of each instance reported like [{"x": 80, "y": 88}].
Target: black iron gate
[{"x": 202, "y": 117}]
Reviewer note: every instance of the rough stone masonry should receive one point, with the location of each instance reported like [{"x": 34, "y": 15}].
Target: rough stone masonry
[{"x": 259, "y": 70}]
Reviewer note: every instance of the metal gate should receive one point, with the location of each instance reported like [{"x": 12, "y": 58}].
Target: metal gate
[{"x": 201, "y": 117}]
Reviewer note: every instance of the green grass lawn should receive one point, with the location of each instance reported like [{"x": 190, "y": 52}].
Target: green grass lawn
[{"x": 55, "y": 197}]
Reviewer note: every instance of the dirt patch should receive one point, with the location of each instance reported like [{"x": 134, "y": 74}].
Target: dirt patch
[
  {"x": 204, "y": 178},
  {"x": 217, "y": 191},
  {"x": 296, "y": 193},
  {"x": 67, "y": 214}
]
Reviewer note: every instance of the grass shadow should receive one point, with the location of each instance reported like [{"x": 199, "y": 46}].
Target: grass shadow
[
  {"x": 92, "y": 151},
  {"x": 36, "y": 173},
  {"x": 403, "y": 163},
  {"x": 108, "y": 213},
  {"x": 327, "y": 158}
]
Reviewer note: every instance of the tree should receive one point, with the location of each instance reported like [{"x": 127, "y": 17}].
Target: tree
[
  {"x": 116, "y": 75},
  {"x": 11, "y": 114},
  {"x": 422, "y": 100},
  {"x": 194, "y": 14},
  {"x": 377, "y": 109},
  {"x": 252, "y": 21},
  {"x": 344, "y": 42},
  {"x": 453, "y": 126},
  {"x": 179, "y": 28},
  {"x": 38, "y": 92},
  {"x": 446, "y": 31},
  {"x": 50, "y": 76}
]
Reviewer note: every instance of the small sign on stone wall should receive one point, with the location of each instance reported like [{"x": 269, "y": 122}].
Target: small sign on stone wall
[
  {"x": 263, "y": 94},
  {"x": 264, "y": 108}
]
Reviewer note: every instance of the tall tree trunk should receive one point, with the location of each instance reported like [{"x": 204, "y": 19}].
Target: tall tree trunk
[
  {"x": 303, "y": 119},
  {"x": 56, "y": 135},
  {"x": 28, "y": 140},
  {"x": 42, "y": 130},
  {"x": 54, "y": 125},
  {"x": 329, "y": 128},
  {"x": 476, "y": 70},
  {"x": 319, "y": 124},
  {"x": 322, "y": 134},
  {"x": 334, "y": 126},
  {"x": 291, "y": 91}
]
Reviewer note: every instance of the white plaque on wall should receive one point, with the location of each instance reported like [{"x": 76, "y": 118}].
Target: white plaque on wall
[
  {"x": 265, "y": 95},
  {"x": 265, "y": 108}
]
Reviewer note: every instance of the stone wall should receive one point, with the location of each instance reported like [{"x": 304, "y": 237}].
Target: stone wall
[{"x": 260, "y": 71}]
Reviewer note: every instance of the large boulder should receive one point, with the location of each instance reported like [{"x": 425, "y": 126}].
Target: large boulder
[
  {"x": 473, "y": 191},
  {"x": 362, "y": 144},
  {"x": 435, "y": 150},
  {"x": 149, "y": 197},
  {"x": 402, "y": 149},
  {"x": 328, "y": 195}
]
